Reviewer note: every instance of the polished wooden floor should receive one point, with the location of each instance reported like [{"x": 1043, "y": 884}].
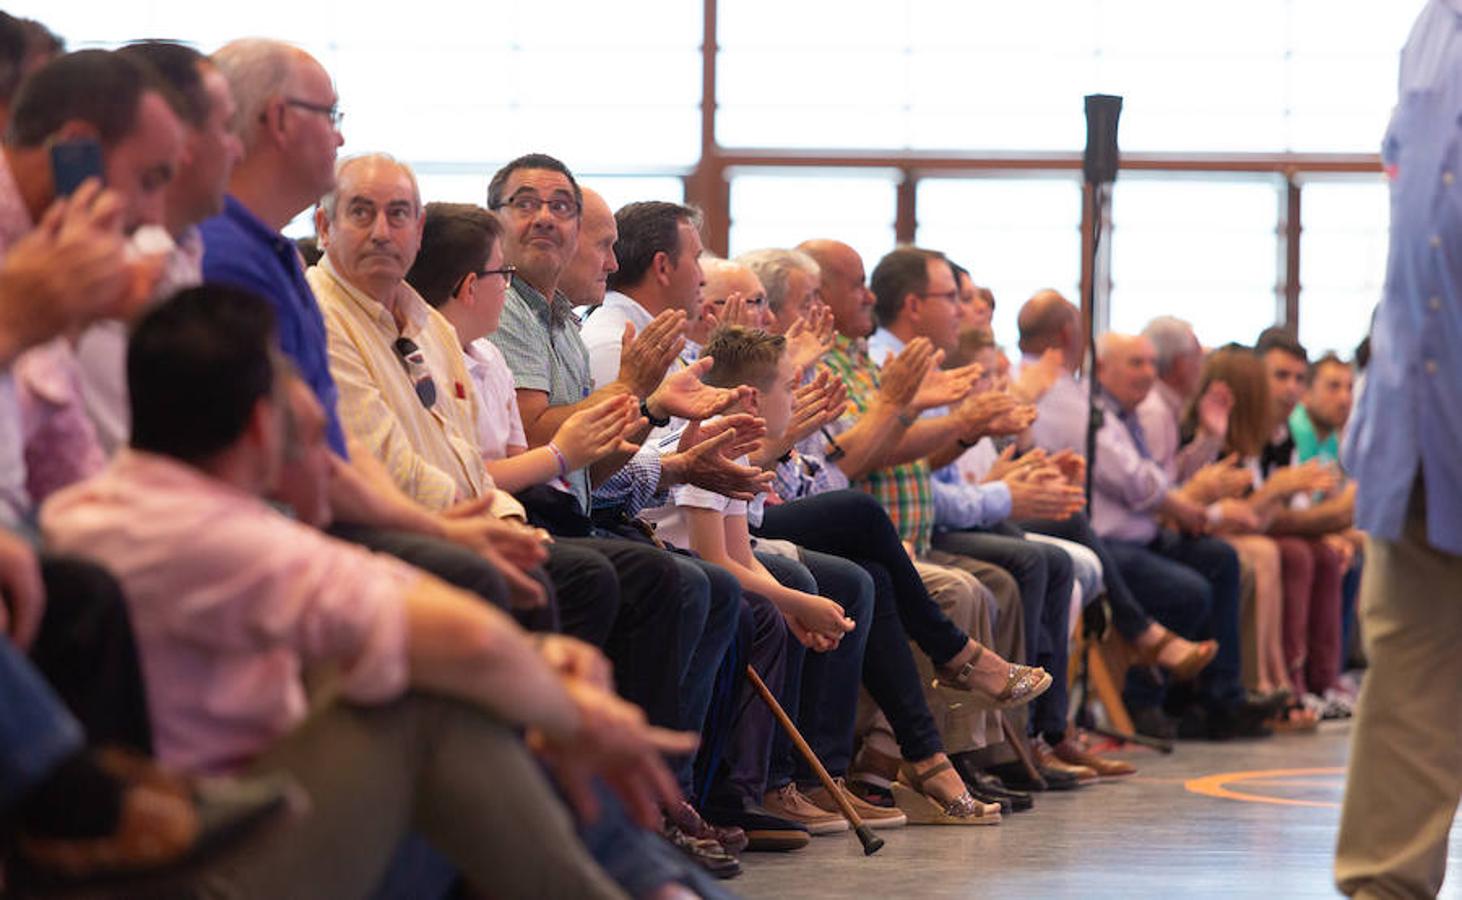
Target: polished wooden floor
[{"x": 1264, "y": 828}]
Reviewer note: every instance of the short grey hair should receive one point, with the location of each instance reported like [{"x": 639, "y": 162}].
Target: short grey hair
[
  {"x": 1173, "y": 339},
  {"x": 328, "y": 201},
  {"x": 257, "y": 70},
  {"x": 774, "y": 268}
]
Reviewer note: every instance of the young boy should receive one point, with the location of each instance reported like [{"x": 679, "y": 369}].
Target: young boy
[{"x": 820, "y": 691}]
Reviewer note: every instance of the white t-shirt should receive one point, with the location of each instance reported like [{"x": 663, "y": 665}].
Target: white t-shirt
[{"x": 673, "y": 526}]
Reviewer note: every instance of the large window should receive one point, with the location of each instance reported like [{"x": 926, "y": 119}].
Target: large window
[
  {"x": 1205, "y": 251},
  {"x": 1267, "y": 75},
  {"x": 783, "y": 209},
  {"x": 606, "y": 87},
  {"x": 1342, "y": 261},
  {"x": 1015, "y": 235}
]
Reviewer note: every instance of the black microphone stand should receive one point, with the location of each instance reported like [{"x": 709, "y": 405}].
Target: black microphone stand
[{"x": 1099, "y": 169}]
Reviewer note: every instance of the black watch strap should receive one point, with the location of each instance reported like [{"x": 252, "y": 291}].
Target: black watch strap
[{"x": 645, "y": 411}]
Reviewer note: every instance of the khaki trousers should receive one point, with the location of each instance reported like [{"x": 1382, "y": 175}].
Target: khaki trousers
[
  {"x": 424, "y": 764},
  {"x": 1405, "y": 773}
]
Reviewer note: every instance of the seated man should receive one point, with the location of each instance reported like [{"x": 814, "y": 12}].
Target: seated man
[
  {"x": 1188, "y": 582},
  {"x": 916, "y": 295},
  {"x": 235, "y": 603},
  {"x": 396, "y": 402},
  {"x": 542, "y": 210}
]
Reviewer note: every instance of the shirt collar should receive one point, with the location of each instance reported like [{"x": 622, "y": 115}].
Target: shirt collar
[
  {"x": 410, "y": 303},
  {"x": 630, "y": 307},
  {"x": 848, "y": 346},
  {"x": 15, "y": 220},
  {"x": 882, "y": 340},
  {"x": 559, "y": 312}
]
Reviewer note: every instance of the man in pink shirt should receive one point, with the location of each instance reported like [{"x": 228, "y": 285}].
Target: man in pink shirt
[{"x": 234, "y": 604}]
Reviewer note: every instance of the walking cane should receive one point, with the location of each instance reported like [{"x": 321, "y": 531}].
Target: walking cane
[{"x": 871, "y": 842}]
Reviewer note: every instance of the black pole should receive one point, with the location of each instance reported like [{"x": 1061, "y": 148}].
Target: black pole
[{"x": 1099, "y": 165}]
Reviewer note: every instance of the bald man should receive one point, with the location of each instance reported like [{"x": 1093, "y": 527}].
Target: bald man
[
  {"x": 1188, "y": 582},
  {"x": 726, "y": 281},
  {"x": 584, "y": 278}
]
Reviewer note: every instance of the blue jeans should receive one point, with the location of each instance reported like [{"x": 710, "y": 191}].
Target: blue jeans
[
  {"x": 1191, "y": 586},
  {"x": 821, "y": 693},
  {"x": 1128, "y": 615},
  {"x": 710, "y": 608},
  {"x": 36, "y": 731},
  {"x": 1044, "y": 574}
]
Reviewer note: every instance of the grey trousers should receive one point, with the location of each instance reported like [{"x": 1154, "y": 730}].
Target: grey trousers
[{"x": 424, "y": 764}]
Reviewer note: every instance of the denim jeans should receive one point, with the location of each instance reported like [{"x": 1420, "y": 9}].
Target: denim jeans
[{"x": 36, "y": 731}]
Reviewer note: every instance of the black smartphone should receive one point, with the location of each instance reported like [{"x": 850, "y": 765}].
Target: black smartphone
[{"x": 74, "y": 161}]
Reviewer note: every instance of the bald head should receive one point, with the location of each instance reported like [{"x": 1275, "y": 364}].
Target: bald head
[
  {"x": 844, "y": 285},
  {"x": 585, "y": 277},
  {"x": 724, "y": 278},
  {"x": 371, "y": 225},
  {"x": 1050, "y": 321},
  {"x": 1126, "y": 367}
]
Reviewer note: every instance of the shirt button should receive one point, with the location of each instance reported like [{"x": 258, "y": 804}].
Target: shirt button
[
  {"x": 1431, "y": 367},
  {"x": 1447, "y": 178},
  {"x": 1435, "y": 303}
]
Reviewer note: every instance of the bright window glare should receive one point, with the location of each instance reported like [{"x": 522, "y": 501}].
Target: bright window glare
[
  {"x": 1342, "y": 261},
  {"x": 1015, "y": 235},
  {"x": 1203, "y": 251},
  {"x": 785, "y": 209},
  {"x": 1265, "y": 75}
]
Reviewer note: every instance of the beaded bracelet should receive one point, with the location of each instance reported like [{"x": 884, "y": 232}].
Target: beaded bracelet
[{"x": 563, "y": 461}]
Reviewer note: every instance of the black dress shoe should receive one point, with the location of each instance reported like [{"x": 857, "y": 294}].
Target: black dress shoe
[
  {"x": 988, "y": 789},
  {"x": 1154, "y": 723},
  {"x": 764, "y": 831},
  {"x": 707, "y": 854},
  {"x": 1241, "y": 721},
  {"x": 1014, "y": 775},
  {"x": 1020, "y": 801}
]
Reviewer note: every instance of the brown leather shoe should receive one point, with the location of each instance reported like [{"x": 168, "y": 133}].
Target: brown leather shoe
[
  {"x": 1071, "y": 751},
  {"x": 1046, "y": 758},
  {"x": 732, "y": 839},
  {"x": 169, "y": 828}
]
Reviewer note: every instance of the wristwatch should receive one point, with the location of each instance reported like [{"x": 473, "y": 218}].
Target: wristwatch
[{"x": 645, "y": 411}]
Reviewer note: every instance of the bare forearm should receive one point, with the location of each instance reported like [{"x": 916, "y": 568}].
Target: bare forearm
[
  {"x": 923, "y": 438},
  {"x": 947, "y": 454},
  {"x": 1326, "y": 518},
  {"x": 471, "y": 650},
  {"x": 868, "y": 441},
  {"x": 540, "y": 427},
  {"x": 514, "y": 473},
  {"x": 363, "y": 493}
]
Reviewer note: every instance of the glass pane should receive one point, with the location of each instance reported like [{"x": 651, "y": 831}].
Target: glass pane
[
  {"x": 617, "y": 190},
  {"x": 784, "y": 209},
  {"x": 1203, "y": 250},
  {"x": 1266, "y": 75},
  {"x": 465, "y": 83},
  {"x": 1015, "y": 235},
  {"x": 1343, "y": 245}
]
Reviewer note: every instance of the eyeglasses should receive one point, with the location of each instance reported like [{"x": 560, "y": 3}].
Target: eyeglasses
[
  {"x": 528, "y": 205},
  {"x": 950, "y": 296},
  {"x": 331, "y": 112},
  {"x": 506, "y": 272},
  {"x": 415, "y": 362}
]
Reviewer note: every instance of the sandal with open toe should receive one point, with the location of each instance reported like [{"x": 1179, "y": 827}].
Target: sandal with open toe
[{"x": 922, "y": 808}]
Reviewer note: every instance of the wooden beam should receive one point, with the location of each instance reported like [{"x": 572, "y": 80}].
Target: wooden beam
[
  {"x": 1289, "y": 239},
  {"x": 706, "y": 185},
  {"x": 906, "y": 218}
]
